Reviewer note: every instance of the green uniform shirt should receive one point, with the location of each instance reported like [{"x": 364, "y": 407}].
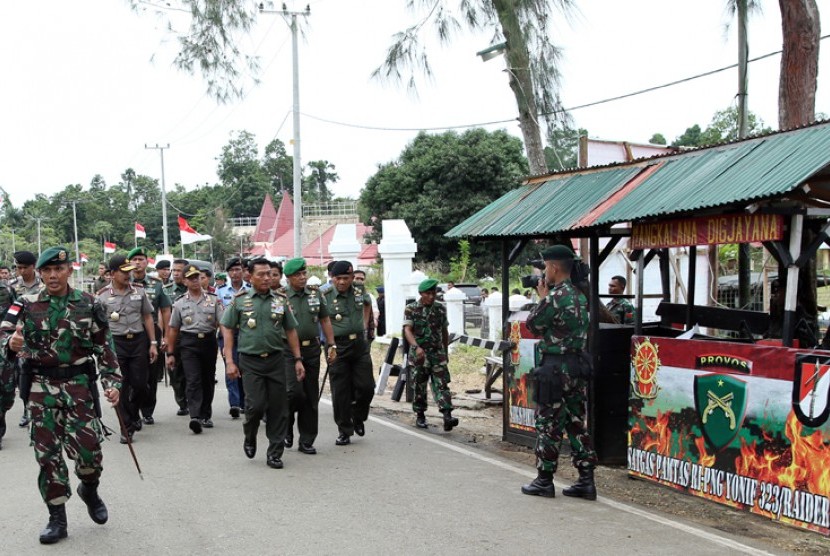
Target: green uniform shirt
[
  {"x": 174, "y": 290},
  {"x": 309, "y": 307},
  {"x": 155, "y": 292},
  {"x": 428, "y": 323},
  {"x": 346, "y": 310},
  {"x": 561, "y": 319},
  {"x": 261, "y": 319},
  {"x": 622, "y": 309}
]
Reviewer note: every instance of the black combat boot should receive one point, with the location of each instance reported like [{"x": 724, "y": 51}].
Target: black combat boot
[
  {"x": 421, "y": 420},
  {"x": 584, "y": 487},
  {"x": 449, "y": 420},
  {"x": 94, "y": 505},
  {"x": 55, "y": 530},
  {"x": 2, "y": 427},
  {"x": 542, "y": 485}
]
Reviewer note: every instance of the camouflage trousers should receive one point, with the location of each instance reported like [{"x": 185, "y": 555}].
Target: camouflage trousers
[
  {"x": 8, "y": 382},
  {"x": 567, "y": 415},
  {"x": 63, "y": 418},
  {"x": 438, "y": 377}
]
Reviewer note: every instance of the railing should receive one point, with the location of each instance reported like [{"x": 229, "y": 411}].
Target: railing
[
  {"x": 242, "y": 221},
  {"x": 339, "y": 209}
]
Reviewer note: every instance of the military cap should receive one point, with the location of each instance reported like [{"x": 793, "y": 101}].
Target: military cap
[
  {"x": 292, "y": 266},
  {"x": 232, "y": 263},
  {"x": 53, "y": 255},
  {"x": 428, "y": 284},
  {"x": 137, "y": 252},
  {"x": 341, "y": 267},
  {"x": 221, "y": 276},
  {"x": 208, "y": 272},
  {"x": 558, "y": 253},
  {"x": 191, "y": 270},
  {"x": 162, "y": 264},
  {"x": 119, "y": 262},
  {"x": 380, "y": 289},
  {"x": 24, "y": 257}
]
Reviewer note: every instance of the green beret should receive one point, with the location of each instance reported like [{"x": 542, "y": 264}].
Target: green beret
[
  {"x": 137, "y": 252},
  {"x": 293, "y": 266},
  {"x": 558, "y": 253},
  {"x": 428, "y": 284},
  {"x": 221, "y": 276},
  {"x": 53, "y": 255}
]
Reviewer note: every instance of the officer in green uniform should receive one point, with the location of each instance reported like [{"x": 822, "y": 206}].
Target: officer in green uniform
[
  {"x": 311, "y": 311},
  {"x": 174, "y": 290},
  {"x": 193, "y": 323},
  {"x": 561, "y": 319},
  {"x": 425, "y": 328},
  {"x": 26, "y": 283},
  {"x": 8, "y": 380},
  {"x": 154, "y": 289},
  {"x": 59, "y": 332},
  {"x": 261, "y": 316},
  {"x": 621, "y": 308},
  {"x": 352, "y": 381},
  {"x": 130, "y": 315}
]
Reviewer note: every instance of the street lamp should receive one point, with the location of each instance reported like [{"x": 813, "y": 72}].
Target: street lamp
[{"x": 492, "y": 52}]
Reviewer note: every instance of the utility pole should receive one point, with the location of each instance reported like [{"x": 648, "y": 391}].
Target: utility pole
[
  {"x": 163, "y": 191},
  {"x": 298, "y": 189},
  {"x": 77, "y": 250}
]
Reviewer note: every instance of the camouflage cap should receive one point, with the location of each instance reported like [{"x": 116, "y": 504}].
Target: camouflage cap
[
  {"x": 53, "y": 255},
  {"x": 292, "y": 266},
  {"x": 428, "y": 284}
]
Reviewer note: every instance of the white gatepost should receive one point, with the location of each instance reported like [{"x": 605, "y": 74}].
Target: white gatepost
[
  {"x": 493, "y": 307},
  {"x": 344, "y": 245},
  {"x": 396, "y": 249},
  {"x": 454, "y": 299}
]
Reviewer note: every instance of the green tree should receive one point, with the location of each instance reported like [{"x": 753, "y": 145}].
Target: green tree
[
  {"x": 563, "y": 147},
  {"x": 521, "y": 29},
  {"x": 690, "y": 137},
  {"x": 723, "y": 127},
  {"x": 657, "y": 139},
  {"x": 278, "y": 167},
  {"x": 472, "y": 169},
  {"x": 316, "y": 183},
  {"x": 241, "y": 173}
]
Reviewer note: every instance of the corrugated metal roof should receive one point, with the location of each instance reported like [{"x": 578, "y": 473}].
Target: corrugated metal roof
[
  {"x": 548, "y": 207},
  {"x": 728, "y": 174},
  {"x": 735, "y": 173}
]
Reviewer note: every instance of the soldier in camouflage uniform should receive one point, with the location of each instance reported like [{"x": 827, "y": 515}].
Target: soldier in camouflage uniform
[
  {"x": 621, "y": 308},
  {"x": 26, "y": 283},
  {"x": 8, "y": 380},
  {"x": 425, "y": 328},
  {"x": 59, "y": 332},
  {"x": 561, "y": 319}
]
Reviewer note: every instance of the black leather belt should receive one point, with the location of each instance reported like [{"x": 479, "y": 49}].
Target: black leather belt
[
  {"x": 62, "y": 372},
  {"x": 128, "y": 335},
  {"x": 199, "y": 335},
  {"x": 265, "y": 355},
  {"x": 312, "y": 342},
  {"x": 346, "y": 338}
]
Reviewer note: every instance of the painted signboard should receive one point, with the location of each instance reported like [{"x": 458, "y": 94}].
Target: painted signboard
[
  {"x": 707, "y": 230},
  {"x": 519, "y": 383},
  {"x": 744, "y": 425}
]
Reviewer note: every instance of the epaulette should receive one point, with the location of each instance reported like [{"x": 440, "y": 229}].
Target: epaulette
[
  {"x": 313, "y": 288},
  {"x": 99, "y": 292},
  {"x": 178, "y": 297},
  {"x": 137, "y": 284},
  {"x": 243, "y": 292},
  {"x": 280, "y": 292},
  {"x": 212, "y": 293}
]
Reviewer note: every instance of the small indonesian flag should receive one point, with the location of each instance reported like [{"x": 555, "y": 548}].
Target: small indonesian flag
[
  {"x": 84, "y": 258},
  {"x": 151, "y": 262},
  {"x": 139, "y": 231},
  {"x": 109, "y": 247},
  {"x": 189, "y": 235},
  {"x": 76, "y": 265}
]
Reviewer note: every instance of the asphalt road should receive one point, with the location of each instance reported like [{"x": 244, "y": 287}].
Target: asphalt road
[{"x": 395, "y": 491}]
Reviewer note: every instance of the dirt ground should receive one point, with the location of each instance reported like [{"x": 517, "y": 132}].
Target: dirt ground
[{"x": 481, "y": 428}]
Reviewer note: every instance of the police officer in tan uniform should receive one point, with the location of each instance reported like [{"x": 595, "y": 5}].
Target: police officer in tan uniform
[
  {"x": 130, "y": 316},
  {"x": 195, "y": 319}
]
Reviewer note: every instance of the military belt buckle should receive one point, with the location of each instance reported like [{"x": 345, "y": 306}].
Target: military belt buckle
[
  {"x": 305, "y": 343},
  {"x": 200, "y": 335},
  {"x": 265, "y": 355},
  {"x": 353, "y": 336},
  {"x": 129, "y": 335}
]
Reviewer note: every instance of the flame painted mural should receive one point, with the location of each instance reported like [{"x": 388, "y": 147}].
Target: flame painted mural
[{"x": 740, "y": 424}]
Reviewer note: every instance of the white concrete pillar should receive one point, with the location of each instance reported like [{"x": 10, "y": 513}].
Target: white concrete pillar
[
  {"x": 455, "y": 310},
  {"x": 493, "y": 307},
  {"x": 344, "y": 245},
  {"x": 396, "y": 249}
]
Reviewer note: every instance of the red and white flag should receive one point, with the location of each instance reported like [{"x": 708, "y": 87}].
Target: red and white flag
[
  {"x": 76, "y": 265},
  {"x": 139, "y": 231},
  {"x": 189, "y": 235},
  {"x": 84, "y": 258},
  {"x": 109, "y": 247},
  {"x": 151, "y": 262}
]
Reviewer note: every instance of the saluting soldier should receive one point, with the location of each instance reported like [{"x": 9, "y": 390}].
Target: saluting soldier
[
  {"x": 561, "y": 319},
  {"x": 59, "y": 332},
  {"x": 26, "y": 283},
  {"x": 8, "y": 377},
  {"x": 352, "y": 382},
  {"x": 425, "y": 327},
  {"x": 154, "y": 289},
  {"x": 130, "y": 315},
  {"x": 311, "y": 311},
  {"x": 194, "y": 321},
  {"x": 175, "y": 289},
  {"x": 261, "y": 316}
]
